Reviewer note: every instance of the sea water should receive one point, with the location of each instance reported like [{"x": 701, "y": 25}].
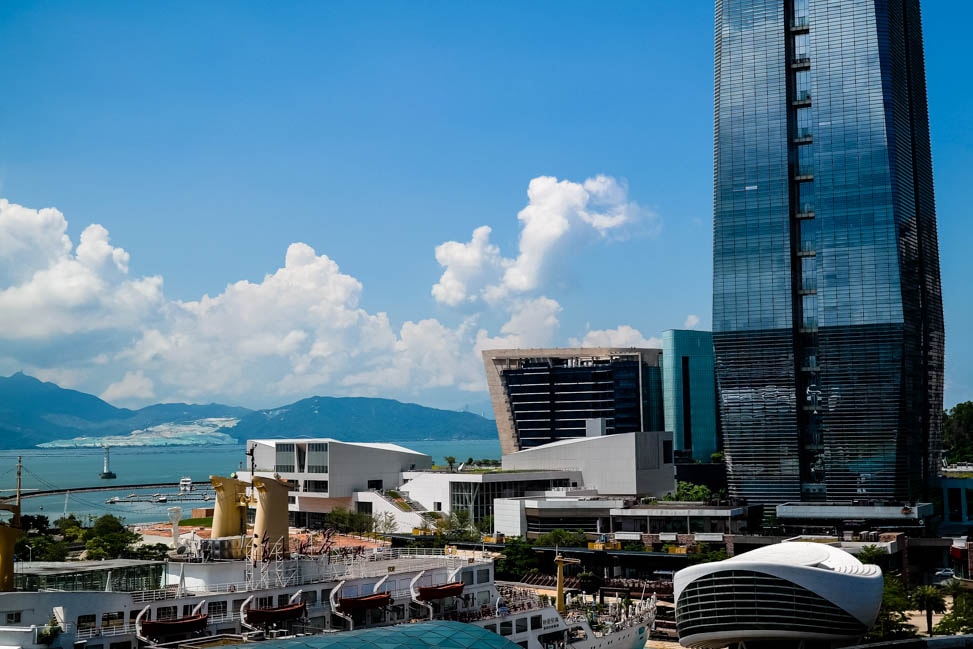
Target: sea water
[{"x": 77, "y": 468}]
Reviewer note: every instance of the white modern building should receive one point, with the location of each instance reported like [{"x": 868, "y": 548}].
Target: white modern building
[
  {"x": 475, "y": 492},
  {"x": 623, "y": 464},
  {"x": 569, "y": 509},
  {"x": 789, "y": 594},
  {"x": 326, "y": 473}
]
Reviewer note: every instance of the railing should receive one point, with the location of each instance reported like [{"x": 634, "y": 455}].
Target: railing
[{"x": 286, "y": 573}]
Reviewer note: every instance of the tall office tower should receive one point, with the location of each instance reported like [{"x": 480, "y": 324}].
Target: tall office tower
[
  {"x": 827, "y": 307},
  {"x": 689, "y": 392},
  {"x": 545, "y": 395}
]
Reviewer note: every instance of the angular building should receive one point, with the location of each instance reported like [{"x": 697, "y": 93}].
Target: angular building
[
  {"x": 545, "y": 395},
  {"x": 827, "y": 307},
  {"x": 689, "y": 392}
]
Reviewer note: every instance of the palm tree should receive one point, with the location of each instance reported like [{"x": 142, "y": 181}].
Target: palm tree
[
  {"x": 450, "y": 460},
  {"x": 930, "y": 600}
]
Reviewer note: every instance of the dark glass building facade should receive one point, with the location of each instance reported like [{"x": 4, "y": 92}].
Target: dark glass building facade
[
  {"x": 545, "y": 395},
  {"x": 827, "y": 308}
]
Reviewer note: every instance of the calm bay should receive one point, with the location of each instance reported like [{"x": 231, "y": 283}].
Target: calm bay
[{"x": 77, "y": 468}]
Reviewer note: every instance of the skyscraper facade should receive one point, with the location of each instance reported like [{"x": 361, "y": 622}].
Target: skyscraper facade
[
  {"x": 545, "y": 395},
  {"x": 827, "y": 308},
  {"x": 689, "y": 392}
]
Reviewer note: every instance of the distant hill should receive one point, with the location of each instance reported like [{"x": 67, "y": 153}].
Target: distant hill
[
  {"x": 33, "y": 412},
  {"x": 361, "y": 419}
]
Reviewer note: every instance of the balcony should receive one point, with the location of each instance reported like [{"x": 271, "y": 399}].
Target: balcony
[
  {"x": 802, "y": 98},
  {"x": 805, "y": 211},
  {"x": 803, "y": 135},
  {"x": 801, "y": 63},
  {"x": 800, "y": 24}
]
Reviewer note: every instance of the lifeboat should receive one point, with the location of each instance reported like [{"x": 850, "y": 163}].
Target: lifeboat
[
  {"x": 268, "y": 616},
  {"x": 452, "y": 589},
  {"x": 180, "y": 625},
  {"x": 375, "y": 600}
]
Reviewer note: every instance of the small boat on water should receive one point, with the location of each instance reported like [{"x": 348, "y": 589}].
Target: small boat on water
[
  {"x": 161, "y": 499},
  {"x": 441, "y": 591},
  {"x": 112, "y": 500}
]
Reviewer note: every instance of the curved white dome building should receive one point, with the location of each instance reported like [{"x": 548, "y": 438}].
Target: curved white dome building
[{"x": 793, "y": 591}]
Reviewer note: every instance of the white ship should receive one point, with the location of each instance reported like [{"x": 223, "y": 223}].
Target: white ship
[{"x": 259, "y": 586}]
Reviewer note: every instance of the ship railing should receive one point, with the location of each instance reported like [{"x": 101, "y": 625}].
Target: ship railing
[{"x": 88, "y": 632}]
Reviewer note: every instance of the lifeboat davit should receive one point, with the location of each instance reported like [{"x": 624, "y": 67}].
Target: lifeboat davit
[{"x": 452, "y": 589}]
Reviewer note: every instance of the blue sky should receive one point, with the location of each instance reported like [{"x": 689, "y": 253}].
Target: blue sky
[{"x": 267, "y": 191}]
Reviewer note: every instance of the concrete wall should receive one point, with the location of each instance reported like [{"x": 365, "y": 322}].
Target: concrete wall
[
  {"x": 351, "y": 466},
  {"x": 509, "y": 516},
  {"x": 629, "y": 464},
  {"x": 404, "y": 521}
]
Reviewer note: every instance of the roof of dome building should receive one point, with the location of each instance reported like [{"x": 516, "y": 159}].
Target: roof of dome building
[{"x": 778, "y": 593}]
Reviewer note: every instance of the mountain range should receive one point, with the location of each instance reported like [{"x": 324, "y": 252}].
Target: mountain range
[{"x": 34, "y": 412}]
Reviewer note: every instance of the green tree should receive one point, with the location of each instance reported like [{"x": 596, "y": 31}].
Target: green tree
[
  {"x": 517, "y": 559},
  {"x": 892, "y": 621},
  {"x": 152, "y": 552},
  {"x": 871, "y": 554},
  {"x": 690, "y": 492},
  {"x": 42, "y": 548},
  {"x": 485, "y": 525},
  {"x": 384, "y": 523},
  {"x": 930, "y": 600},
  {"x": 71, "y": 528},
  {"x": 959, "y": 619},
  {"x": 589, "y": 582},
  {"x": 705, "y": 554},
  {"x": 340, "y": 519},
  {"x": 108, "y": 538},
  {"x": 563, "y": 539},
  {"x": 30, "y": 523},
  {"x": 958, "y": 432},
  {"x": 451, "y": 461}
]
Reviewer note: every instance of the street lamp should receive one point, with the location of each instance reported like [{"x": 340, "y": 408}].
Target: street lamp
[{"x": 30, "y": 553}]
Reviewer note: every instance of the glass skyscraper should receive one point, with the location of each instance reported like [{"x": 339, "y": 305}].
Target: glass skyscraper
[
  {"x": 689, "y": 391},
  {"x": 827, "y": 307}
]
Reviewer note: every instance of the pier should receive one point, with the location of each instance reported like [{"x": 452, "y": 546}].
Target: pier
[{"x": 173, "y": 496}]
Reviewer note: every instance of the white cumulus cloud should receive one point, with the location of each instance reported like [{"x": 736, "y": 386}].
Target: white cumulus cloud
[
  {"x": 691, "y": 321},
  {"x": 622, "y": 336},
  {"x": 558, "y": 214},
  {"x": 133, "y": 386},
  {"x": 75, "y": 313},
  {"x": 48, "y": 287}
]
